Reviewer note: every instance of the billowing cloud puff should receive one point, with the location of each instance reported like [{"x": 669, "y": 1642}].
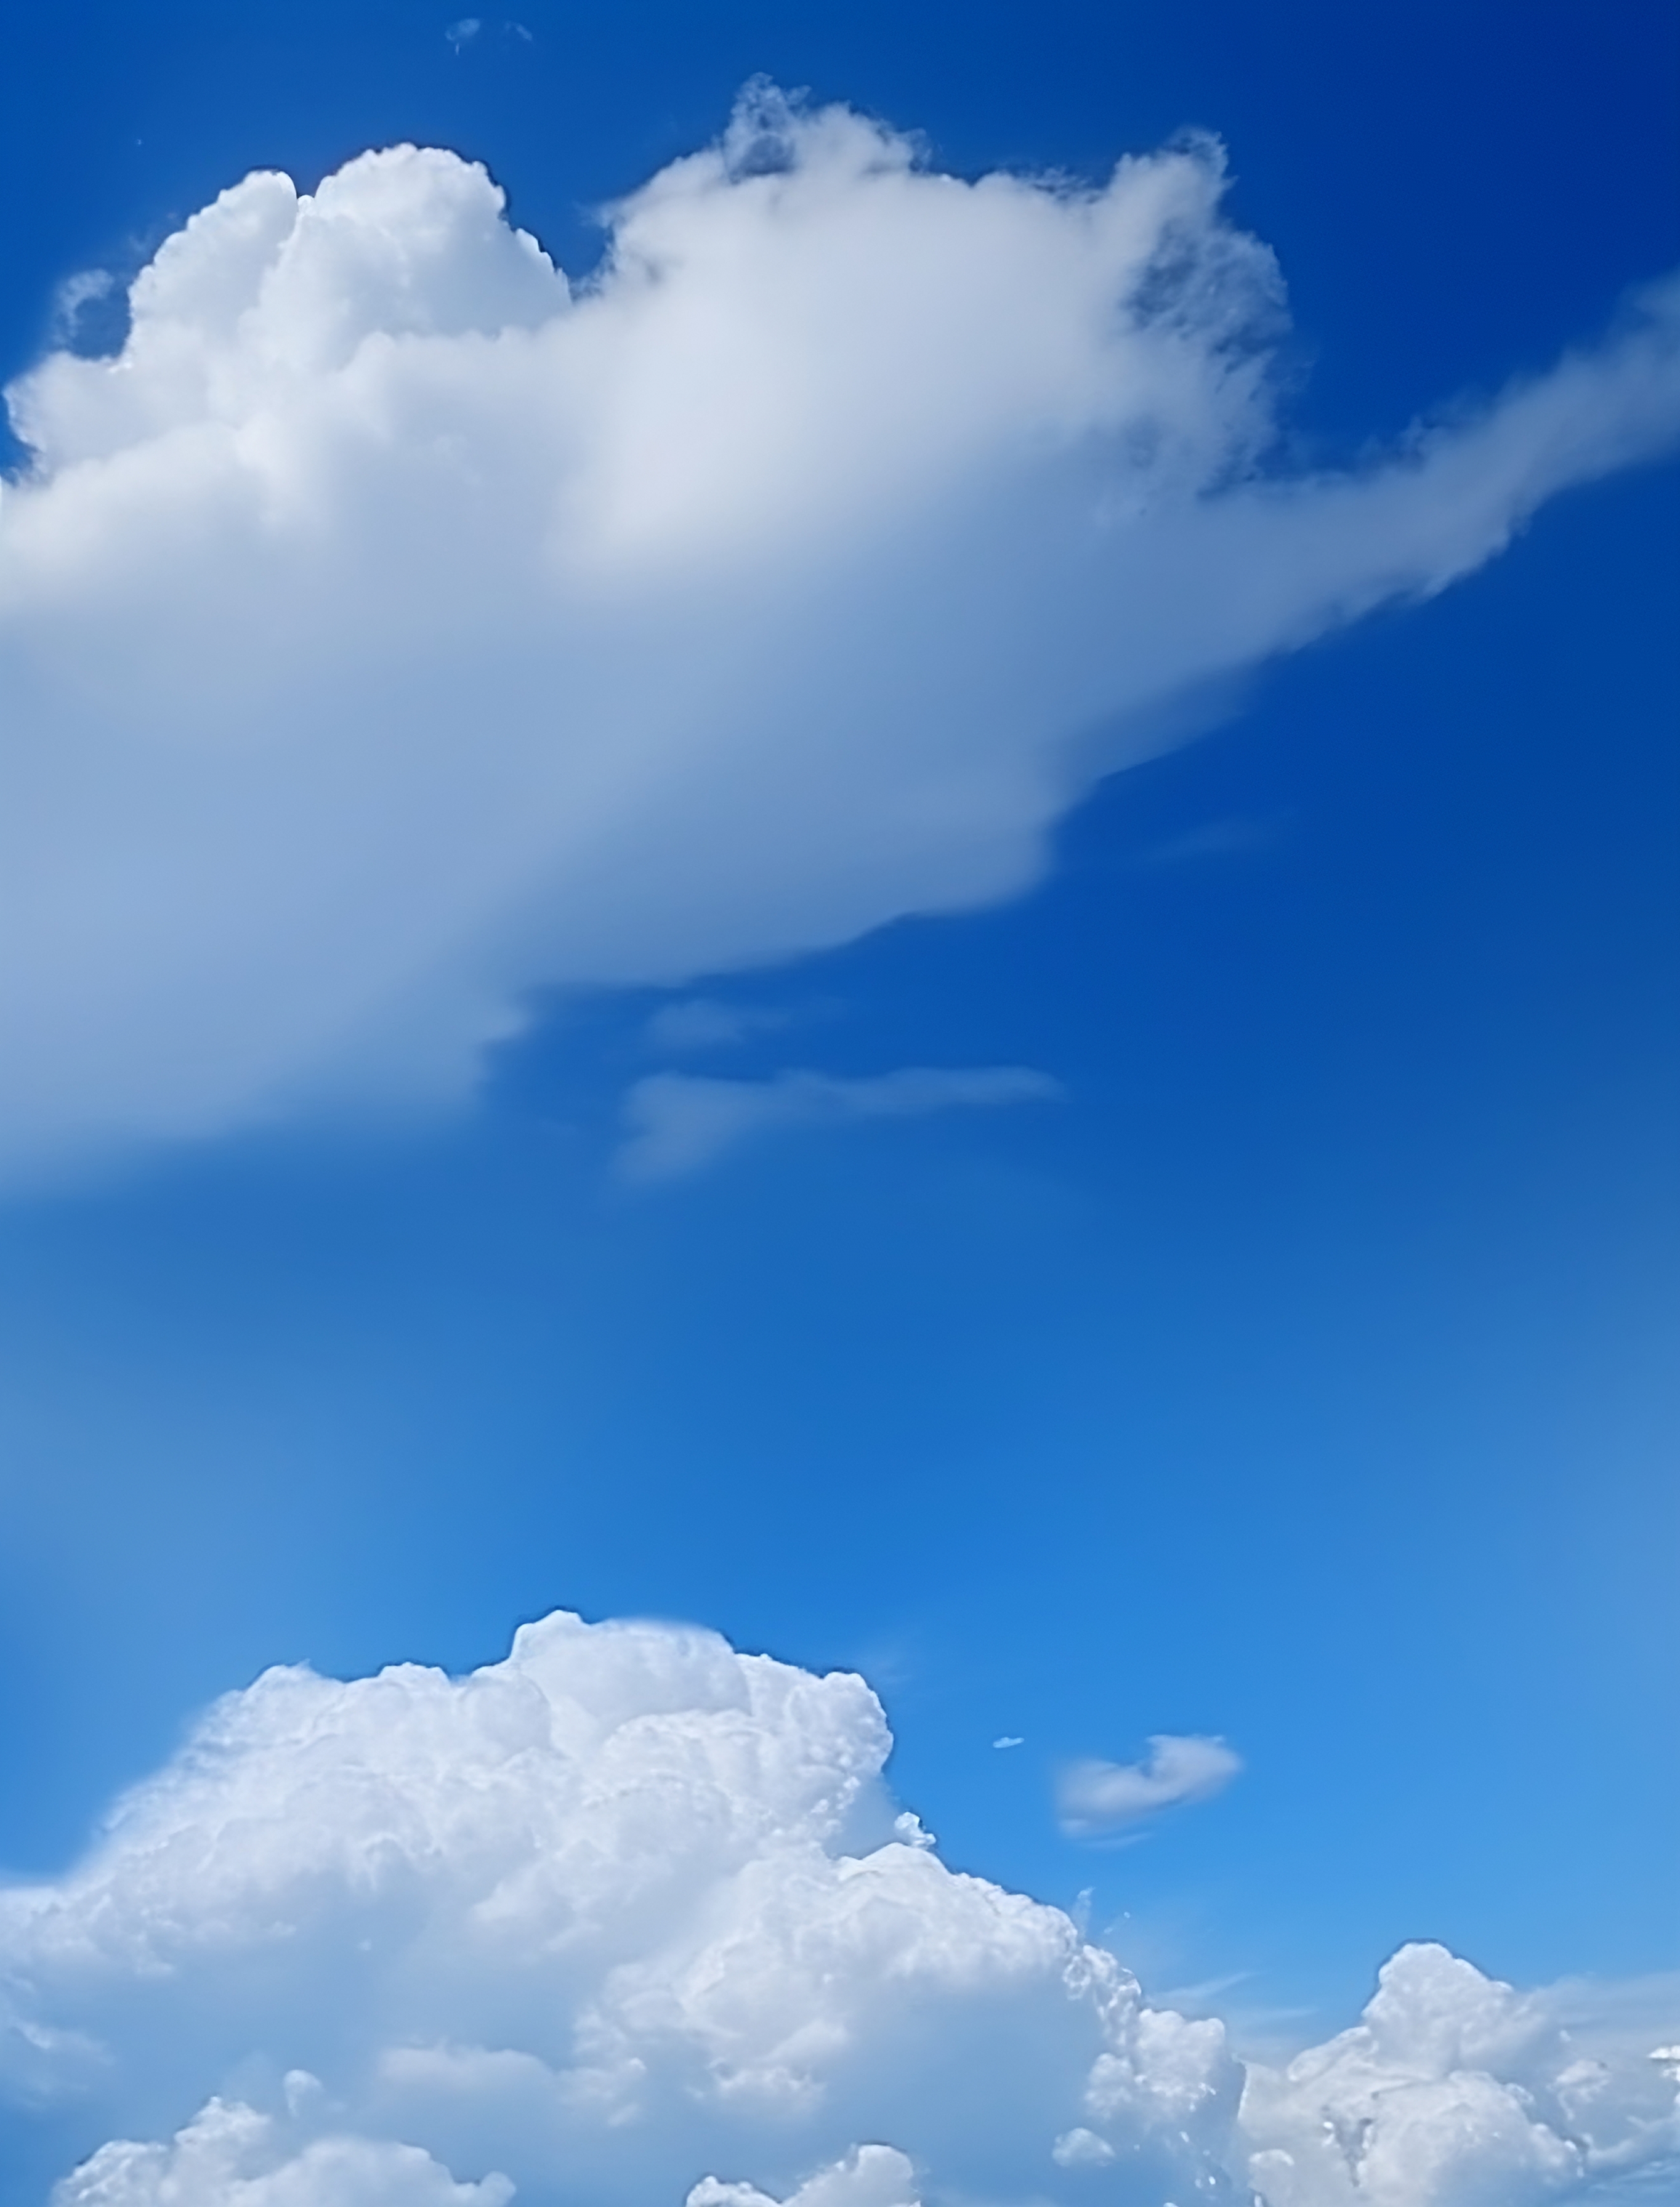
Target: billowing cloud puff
[
  {"x": 387, "y": 632},
  {"x": 873, "y": 2176},
  {"x": 623, "y": 1912},
  {"x": 1455, "y": 2091},
  {"x": 233, "y": 2157},
  {"x": 629, "y": 1918}
]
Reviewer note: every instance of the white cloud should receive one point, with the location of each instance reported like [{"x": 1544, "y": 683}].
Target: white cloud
[
  {"x": 387, "y": 632},
  {"x": 680, "y": 1121},
  {"x": 1095, "y": 1796},
  {"x": 1081, "y": 2149},
  {"x": 871, "y": 2176},
  {"x": 231, "y": 2156},
  {"x": 624, "y": 1918},
  {"x": 1454, "y": 2091},
  {"x": 629, "y": 1909}
]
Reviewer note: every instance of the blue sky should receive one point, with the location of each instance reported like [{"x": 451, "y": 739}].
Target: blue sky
[{"x": 1290, "y": 1362}]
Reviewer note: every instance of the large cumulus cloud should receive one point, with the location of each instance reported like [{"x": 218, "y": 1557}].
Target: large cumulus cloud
[
  {"x": 629, "y": 1917},
  {"x": 387, "y": 632}
]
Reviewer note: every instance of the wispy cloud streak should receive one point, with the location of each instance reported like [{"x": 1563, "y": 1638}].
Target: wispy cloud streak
[
  {"x": 679, "y": 1123},
  {"x": 1094, "y": 1797}
]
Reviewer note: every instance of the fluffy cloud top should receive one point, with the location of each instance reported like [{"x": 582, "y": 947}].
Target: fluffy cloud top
[
  {"x": 872, "y": 2176},
  {"x": 1453, "y": 2088},
  {"x": 626, "y": 1918},
  {"x": 233, "y": 2156},
  {"x": 387, "y": 632},
  {"x": 1097, "y": 1796}
]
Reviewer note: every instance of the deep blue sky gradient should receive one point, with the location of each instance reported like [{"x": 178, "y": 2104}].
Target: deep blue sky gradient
[{"x": 1307, "y": 1375}]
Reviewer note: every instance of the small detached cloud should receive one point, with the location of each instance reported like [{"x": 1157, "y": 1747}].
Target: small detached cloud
[
  {"x": 701, "y": 1023},
  {"x": 679, "y": 1123},
  {"x": 1008, "y": 1739},
  {"x": 471, "y": 28},
  {"x": 1095, "y": 1797}
]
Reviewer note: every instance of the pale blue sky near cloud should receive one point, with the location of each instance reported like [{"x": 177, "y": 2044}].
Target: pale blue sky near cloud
[{"x": 1205, "y": 1291}]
